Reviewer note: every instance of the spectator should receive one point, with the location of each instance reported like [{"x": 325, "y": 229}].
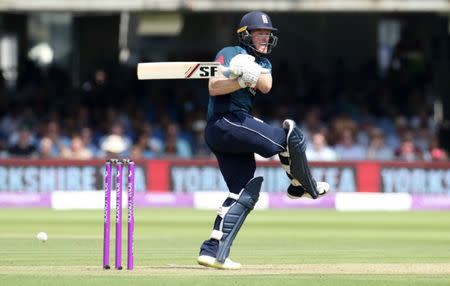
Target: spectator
[
  {"x": 377, "y": 149},
  {"x": 136, "y": 152},
  {"x": 114, "y": 146},
  {"x": 154, "y": 143},
  {"x": 393, "y": 140},
  {"x": 88, "y": 140},
  {"x": 366, "y": 126},
  {"x": 10, "y": 121},
  {"x": 341, "y": 124},
  {"x": 174, "y": 144},
  {"x": 77, "y": 150},
  {"x": 422, "y": 138},
  {"x": 347, "y": 149},
  {"x": 58, "y": 141},
  {"x": 45, "y": 148},
  {"x": 141, "y": 147},
  {"x": 408, "y": 151},
  {"x": 115, "y": 142},
  {"x": 24, "y": 146},
  {"x": 200, "y": 148},
  {"x": 319, "y": 150},
  {"x": 435, "y": 153},
  {"x": 311, "y": 124}
]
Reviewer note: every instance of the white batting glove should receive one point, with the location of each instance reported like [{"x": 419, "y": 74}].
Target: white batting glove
[
  {"x": 250, "y": 76},
  {"x": 238, "y": 64}
]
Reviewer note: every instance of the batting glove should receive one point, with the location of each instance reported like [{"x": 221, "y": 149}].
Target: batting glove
[
  {"x": 250, "y": 75},
  {"x": 239, "y": 63}
]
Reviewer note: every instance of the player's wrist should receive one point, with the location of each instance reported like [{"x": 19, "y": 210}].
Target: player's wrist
[
  {"x": 247, "y": 81},
  {"x": 242, "y": 83}
]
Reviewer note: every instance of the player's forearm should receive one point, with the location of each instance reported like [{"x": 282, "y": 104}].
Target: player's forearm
[
  {"x": 264, "y": 83},
  {"x": 222, "y": 86}
]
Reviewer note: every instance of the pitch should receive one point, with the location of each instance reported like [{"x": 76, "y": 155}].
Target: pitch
[{"x": 288, "y": 247}]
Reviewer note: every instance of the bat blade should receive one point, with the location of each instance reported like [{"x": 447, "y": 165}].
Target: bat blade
[{"x": 179, "y": 70}]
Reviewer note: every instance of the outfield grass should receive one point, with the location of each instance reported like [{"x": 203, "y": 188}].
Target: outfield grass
[{"x": 289, "y": 247}]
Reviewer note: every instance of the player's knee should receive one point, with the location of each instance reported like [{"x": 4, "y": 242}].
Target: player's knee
[
  {"x": 247, "y": 198},
  {"x": 267, "y": 154},
  {"x": 271, "y": 151}
]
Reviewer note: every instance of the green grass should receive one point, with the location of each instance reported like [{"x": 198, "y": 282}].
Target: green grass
[{"x": 289, "y": 247}]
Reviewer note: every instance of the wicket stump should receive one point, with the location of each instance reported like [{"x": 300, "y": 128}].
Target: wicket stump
[{"x": 120, "y": 165}]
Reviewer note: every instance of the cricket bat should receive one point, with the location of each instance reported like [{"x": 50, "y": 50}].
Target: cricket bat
[
  {"x": 183, "y": 70},
  {"x": 180, "y": 70}
]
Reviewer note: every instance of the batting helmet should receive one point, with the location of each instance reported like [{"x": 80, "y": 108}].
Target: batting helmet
[{"x": 254, "y": 21}]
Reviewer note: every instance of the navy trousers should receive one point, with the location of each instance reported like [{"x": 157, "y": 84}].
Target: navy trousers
[{"x": 234, "y": 138}]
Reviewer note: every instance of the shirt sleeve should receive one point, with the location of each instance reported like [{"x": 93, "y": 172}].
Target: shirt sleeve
[
  {"x": 225, "y": 55},
  {"x": 265, "y": 63}
]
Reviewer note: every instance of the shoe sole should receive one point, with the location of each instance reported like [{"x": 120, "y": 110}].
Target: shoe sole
[{"x": 216, "y": 265}]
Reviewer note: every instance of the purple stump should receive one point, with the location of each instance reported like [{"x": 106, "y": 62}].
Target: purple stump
[
  {"x": 130, "y": 234},
  {"x": 119, "y": 216},
  {"x": 106, "y": 224}
]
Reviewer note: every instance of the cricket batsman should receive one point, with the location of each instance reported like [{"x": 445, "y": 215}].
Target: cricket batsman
[{"x": 234, "y": 136}]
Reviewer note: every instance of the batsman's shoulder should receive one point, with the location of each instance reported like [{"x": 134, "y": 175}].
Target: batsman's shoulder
[
  {"x": 227, "y": 53},
  {"x": 233, "y": 49}
]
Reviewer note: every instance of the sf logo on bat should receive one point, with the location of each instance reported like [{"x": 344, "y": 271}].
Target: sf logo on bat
[{"x": 208, "y": 71}]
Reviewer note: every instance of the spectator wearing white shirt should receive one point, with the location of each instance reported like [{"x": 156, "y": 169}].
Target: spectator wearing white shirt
[
  {"x": 319, "y": 150},
  {"x": 116, "y": 142}
]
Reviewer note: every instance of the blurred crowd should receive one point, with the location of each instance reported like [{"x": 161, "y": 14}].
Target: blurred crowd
[{"x": 345, "y": 114}]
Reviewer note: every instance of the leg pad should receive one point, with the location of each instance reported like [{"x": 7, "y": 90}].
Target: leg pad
[{"x": 235, "y": 216}]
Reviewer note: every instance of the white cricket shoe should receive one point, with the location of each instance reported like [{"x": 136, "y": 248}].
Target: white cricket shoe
[
  {"x": 210, "y": 261},
  {"x": 296, "y": 192}
]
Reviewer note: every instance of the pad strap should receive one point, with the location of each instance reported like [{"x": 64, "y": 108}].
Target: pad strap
[
  {"x": 234, "y": 196},
  {"x": 216, "y": 234},
  {"x": 285, "y": 163}
]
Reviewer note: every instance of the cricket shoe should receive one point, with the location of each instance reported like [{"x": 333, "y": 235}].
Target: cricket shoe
[
  {"x": 296, "y": 192},
  {"x": 210, "y": 261}
]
